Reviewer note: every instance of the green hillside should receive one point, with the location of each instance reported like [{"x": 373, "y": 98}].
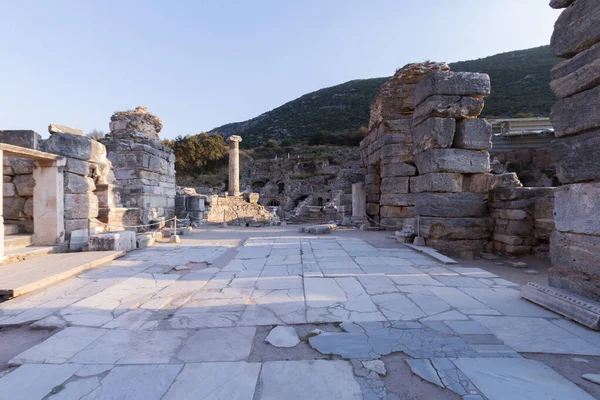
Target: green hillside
[{"x": 520, "y": 84}]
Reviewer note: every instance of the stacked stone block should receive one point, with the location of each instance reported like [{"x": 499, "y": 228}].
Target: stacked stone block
[
  {"x": 144, "y": 167},
  {"x": 519, "y": 227},
  {"x": 387, "y": 150},
  {"x": 84, "y": 157},
  {"x": 451, "y": 155},
  {"x": 575, "y": 244}
]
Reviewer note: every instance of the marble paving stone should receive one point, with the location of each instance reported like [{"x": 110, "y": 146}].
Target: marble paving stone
[
  {"x": 424, "y": 369},
  {"x": 467, "y": 328},
  {"x": 383, "y": 269},
  {"x": 338, "y": 265},
  {"x": 430, "y": 304},
  {"x": 513, "y": 378},
  {"x": 452, "y": 315},
  {"x": 208, "y": 313},
  {"x": 283, "y": 260},
  {"x": 93, "y": 369},
  {"x": 60, "y": 347},
  {"x": 218, "y": 344},
  {"x": 377, "y": 284},
  {"x": 579, "y": 330},
  {"x": 131, "y": 347},
  {"x": 215, "y": 381},
  {"x": 416, "y": 279},
  {"x": 461, "y": 281},
  {"x": 536, "y": 335},
  {"x": 457, "y": 298},
  {"x": 77, "y": 389},
  {"x": 283, "y": 336},
  {"x": 396, "y": 261},
  {"x": 270, "y": 307},
  {"x": 474, "y": 272},
  {"x": 282, "y": 270},
  {"x": 135, "y": 319},
  {"x": 414, "y": 289},
  {"x": 255, "y": 264},
  {"x": 301, "y": 380},
  {"x": 595, "y": 378},
  {"x": 134, "y": 382},
  {"x": 34, "y": 381},
  {"x": 279, "y": 282},
  {"x": 508, "y": 301},
  {"x": 397, "y": 307}
]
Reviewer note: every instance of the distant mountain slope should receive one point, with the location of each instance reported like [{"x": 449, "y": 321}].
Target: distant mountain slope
[{"x": 520, "y": 84}]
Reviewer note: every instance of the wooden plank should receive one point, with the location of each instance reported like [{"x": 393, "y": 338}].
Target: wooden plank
[{"x": 25, "y": 276}]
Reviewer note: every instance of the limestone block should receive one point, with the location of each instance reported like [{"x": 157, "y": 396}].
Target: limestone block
[
  {"x": 577, "y": 28},
  {"x": 457, "y": 246},
  {"x": 19, "y": 166},
  {"x": 544, "y": 207},
  {"x": 394, "y": 185},
  {"x": 9, "y": 189},
  {"x": 520, "y": 228},
  {"x": 22, "y": 138},
  {"x": 397, "y": 212},
  {"x": 568, "y": 67},
  {"x": 56, "y": 128},
  {"x": 561, "y": 3},
  {"x": 78, "y": 206},
  {"x": 578, "y": 113},
  {"x": 455, "y": 228},
  {"x": 372, "y": 179},
  {"x": 452, "y": 83},
  {"x": 483, "y": 183},
  {"x": 577, "y": 158},
  {"x": 517, "y": 250},
  {"x": 580, "y": 252},
  {"x": 136, "y": 123},
  {"x": 433, "y": 133},
  {"x": 587, "y": 77},
  {"x": 456, "y": 107},
  {"x": 507, "y": 239},
  {"x": 372, "y": 209},
  {"x": 437, "y": 182},
  {"x": 13, "y": 207},
  {"x": 74, "y": 146},
  {"x": 518, "y": 193},
  {"x": 391, "y": 153},
  {"x": 75, "y": 224},
  {"x": 514, "y": 204},
  {"x": 517, "y": 215},
  {"x": 76, "y": 166},
  {"x": 28, "y": 207},
  {"x": 577, "y": 208},
  {"x": 78, "y": 184},
  {"x": 452, "y": 160},
  {"x": 398, "y": 169},
  {"x": 398, "y": 199},
  {"x": 450, "y": 204},
  {"x": 24, "y": 184},
  {"x": 112, "y": 241},
  {"x": 474, "y": 134}
]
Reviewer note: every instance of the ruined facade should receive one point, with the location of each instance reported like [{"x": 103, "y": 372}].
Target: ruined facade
[{"x": 428, "y": 166}]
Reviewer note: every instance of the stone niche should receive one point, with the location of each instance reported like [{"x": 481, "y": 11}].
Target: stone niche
[{"x": 144, "y": 168}]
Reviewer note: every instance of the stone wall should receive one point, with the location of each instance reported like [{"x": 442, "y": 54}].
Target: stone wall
[
  {"x": 144, "y": 167},
  {"x": 235, "y": 210},
  {"x": 523, "y": 220},
  {"x": 85, "y": 161},
  {"x": 575, "y": 244}
]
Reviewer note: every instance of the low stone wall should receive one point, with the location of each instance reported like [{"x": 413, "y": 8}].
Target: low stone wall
[
  {"x": 522, "y": 219},
  {"x": 235, "y": 210},
  {"x": 18, "y": 192}
]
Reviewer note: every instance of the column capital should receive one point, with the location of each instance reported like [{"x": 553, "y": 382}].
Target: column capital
[{"x": 234, "y": 138}]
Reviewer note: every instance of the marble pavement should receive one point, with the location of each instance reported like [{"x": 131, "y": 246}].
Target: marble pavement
[{"x": 142, "y": 328}]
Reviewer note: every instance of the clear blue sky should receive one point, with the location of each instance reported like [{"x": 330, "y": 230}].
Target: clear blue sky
[{"x": 199, "y": 64}]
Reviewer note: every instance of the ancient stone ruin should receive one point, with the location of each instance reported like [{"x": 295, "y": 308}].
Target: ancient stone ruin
[{"x": 144, "y": 166}]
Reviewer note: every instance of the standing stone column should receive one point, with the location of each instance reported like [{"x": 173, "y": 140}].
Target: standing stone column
[
  {"x": 359, "y": 202},
  {"x": 234, "y": 164}
]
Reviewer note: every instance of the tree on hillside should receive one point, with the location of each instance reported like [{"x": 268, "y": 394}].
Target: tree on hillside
[
  {"x": 95, "y": 134},
  {"x": 271, "y": 143},
  {"x": 195, "y": 153}
]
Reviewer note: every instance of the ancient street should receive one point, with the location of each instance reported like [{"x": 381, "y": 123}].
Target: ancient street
[{"x": 190, "y": 320}]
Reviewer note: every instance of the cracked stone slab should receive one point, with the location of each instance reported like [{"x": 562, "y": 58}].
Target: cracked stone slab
[
  {"x": 215, "y": 381},
  {"x": 136, "y": 382},
  {"x": 310, "y": 379},
  {"x": 60, "y": 347},
  {"x": 77, "y": 389},
  {"x": 218, "y": 344},
  {"x": 425, "y": 370},
  {"x": 376, "y": 366},
  {"x": 41, "y": 379},
  {"x": 506, "y": 378},
  {"x": 283, "y": 336},
  {"x": 131, "y": 347}
]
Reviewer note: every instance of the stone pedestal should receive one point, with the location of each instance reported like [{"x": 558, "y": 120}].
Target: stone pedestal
[
  {"x": 359, "y": 203},
  {"x": 234, "y": 164}
]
